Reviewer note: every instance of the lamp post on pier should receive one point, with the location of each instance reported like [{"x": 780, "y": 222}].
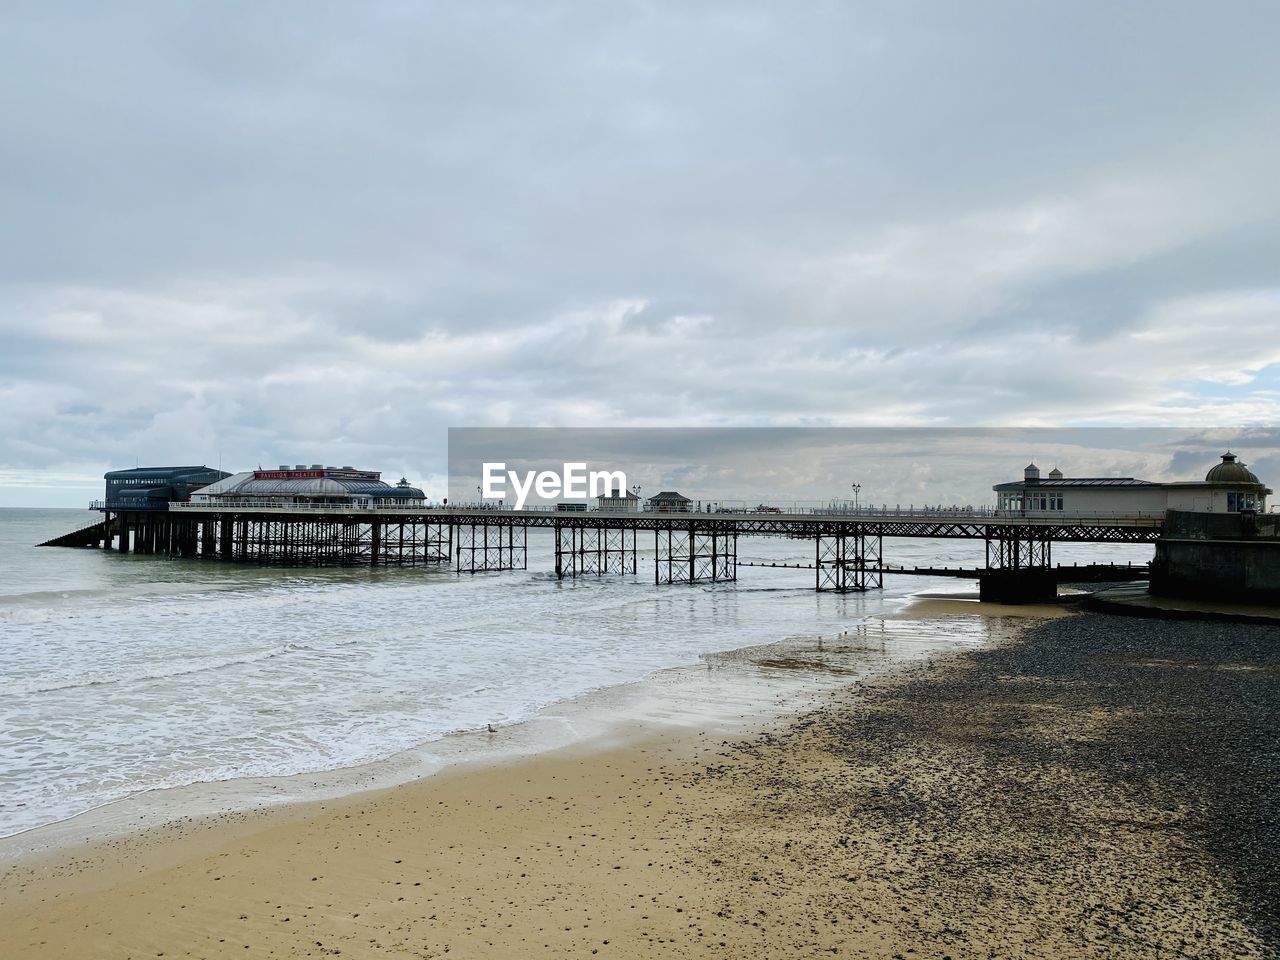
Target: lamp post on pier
[{"x": 857, "y": 488}]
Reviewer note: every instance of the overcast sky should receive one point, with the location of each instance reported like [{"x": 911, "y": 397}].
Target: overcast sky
[
  {"x": 891, "y": 466},
  {"x": 304, "y": 232}
]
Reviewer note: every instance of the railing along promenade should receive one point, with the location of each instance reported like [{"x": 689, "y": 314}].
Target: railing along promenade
[
  {"x": 947, "y": 523},
  {"x": 544, "y": 515}
]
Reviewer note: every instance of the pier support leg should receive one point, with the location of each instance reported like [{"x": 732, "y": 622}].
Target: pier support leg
[
  {"x": 225, "y": 551},
  {"x": 1018, "y": 567},
  {"x": 1028, "y": 585},
  {"x": 583, "y": 550},
  {"x": 848, "y": 560},
  {"x": 482, "y": 546},
  {"x": 695, "y": 554}
]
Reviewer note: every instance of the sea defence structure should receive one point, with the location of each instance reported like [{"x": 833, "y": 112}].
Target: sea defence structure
[{"x": 1215, "y": 556}]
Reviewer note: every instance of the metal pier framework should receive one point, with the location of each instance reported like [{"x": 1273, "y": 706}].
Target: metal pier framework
[
  {"x": 689, "y": 553},
  {"x": 483, "y": 546},
  {"x": 583, "y": 549},
  {"x": 848, "y": 559},
  {"x": 848, "y": 551}
]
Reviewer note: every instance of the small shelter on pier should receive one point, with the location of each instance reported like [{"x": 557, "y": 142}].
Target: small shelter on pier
[
  {"x": 627, "y": 502},
  {"x": 668, "y": 501}
]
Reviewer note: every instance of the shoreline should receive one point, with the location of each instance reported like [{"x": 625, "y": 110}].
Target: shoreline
[
  {"x": 594, "y": 715},
  {"x": 1032, "y": 795},
  {"x": 742, "y": 693}
]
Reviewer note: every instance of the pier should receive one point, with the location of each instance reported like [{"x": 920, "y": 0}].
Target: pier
[{"x": 848, "y": 550}]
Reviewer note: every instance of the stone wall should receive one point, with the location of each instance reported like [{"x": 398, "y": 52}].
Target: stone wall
[{"x": 1219, "y": 556}]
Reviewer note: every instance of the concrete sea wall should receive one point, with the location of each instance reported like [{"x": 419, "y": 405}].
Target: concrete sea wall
[{"x": 1219, "y": 556}]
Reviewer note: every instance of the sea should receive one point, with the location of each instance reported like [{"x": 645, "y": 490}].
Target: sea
[{"x": 127, "y": 676}]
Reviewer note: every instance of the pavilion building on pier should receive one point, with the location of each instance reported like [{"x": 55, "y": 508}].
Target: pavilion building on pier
[
  {"x": 1228, "y": 487},
  {"x": 308, "y": 486}
]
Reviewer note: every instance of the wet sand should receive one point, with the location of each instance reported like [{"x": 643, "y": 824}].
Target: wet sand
[
  {"x": 932, "y": 605},
  {"x": 1099, "y": 787}
]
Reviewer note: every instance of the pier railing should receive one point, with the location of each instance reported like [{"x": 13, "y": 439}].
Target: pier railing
[
  {"x": 131, "y": 504},
  {"x": 786, "y": 509}
]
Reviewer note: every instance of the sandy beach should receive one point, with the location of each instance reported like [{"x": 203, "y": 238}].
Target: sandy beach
[{"x": 1090, "y": 786}]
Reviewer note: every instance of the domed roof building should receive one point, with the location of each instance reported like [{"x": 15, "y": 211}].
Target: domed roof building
[
  {"x": 1229, "y": 487},
  {"x": 1230, "y": 470}
]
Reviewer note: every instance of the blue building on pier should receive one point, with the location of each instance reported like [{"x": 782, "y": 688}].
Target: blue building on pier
[{"x": 154, "y": 488}]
